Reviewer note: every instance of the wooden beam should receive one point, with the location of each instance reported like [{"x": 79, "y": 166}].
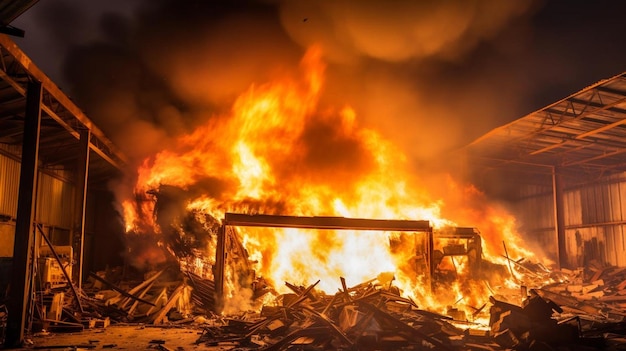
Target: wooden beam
[{"x": 334, "y": 223}]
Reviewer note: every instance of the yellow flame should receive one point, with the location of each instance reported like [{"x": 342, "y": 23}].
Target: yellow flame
[{"x": 281, "y": 151}]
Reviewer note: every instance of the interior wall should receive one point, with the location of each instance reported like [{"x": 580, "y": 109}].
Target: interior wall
[
  {"x": 595, "y": 220},
  {"x": 54, "y": 206}
]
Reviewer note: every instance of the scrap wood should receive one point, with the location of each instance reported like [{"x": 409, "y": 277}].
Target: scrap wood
[
  {"x": 62, "y": 327},
  {"x": 612, "y": 298},
  {"x": 147, "y": 284},
  {"x": 120, "y": 290},
  {"x": 509, "y": 261},
  {"x": 170, "y": 303},
  {"x": 132, "y": 308},
  {"x": 411, "y": 333},
  {"x": 517, "y": 264},
  {"x": 346, "y": 294},
  {"x": 56, "y": 256},
  {"x": 301, "y": 292},
  {"x": 305, "y": 330},
  {"x": 303, "y": 295},
  {"x": 597, "y": 274},
  {"x": 559, "y": 299},
  {"x": 621, "y": 285},
  {"x": 330, "y": 324}
]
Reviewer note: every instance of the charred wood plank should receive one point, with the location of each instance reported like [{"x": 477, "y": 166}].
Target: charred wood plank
[
  {"x": 119, "y": 290},
  {"x": 173, "y": 299},
  {"x": 408, "y": 331},
  {"x": 145, "y": 284}
]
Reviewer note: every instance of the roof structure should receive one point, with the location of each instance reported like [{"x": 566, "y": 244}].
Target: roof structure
[
  {"x": 61, "y": 120},
  {"x": 583, "y": 135},
  {"x": 10, "y": 10}
]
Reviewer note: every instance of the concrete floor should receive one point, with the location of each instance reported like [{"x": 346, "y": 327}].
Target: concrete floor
[{"x": 122, "y": 337}]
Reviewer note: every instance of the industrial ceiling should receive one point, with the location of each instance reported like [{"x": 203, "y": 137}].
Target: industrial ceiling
[
  {"x": 61, "y": 120},
  {"x": 582, "y": 136}
]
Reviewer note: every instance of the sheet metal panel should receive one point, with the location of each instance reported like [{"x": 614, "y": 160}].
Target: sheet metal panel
[
  {"x": 595, "y": 220},
  {"x": 9, "y": 185},
  {"x": 613, "y": 208},
  {"x": 54, "y": 201},
  {"x": 573, "y": 208}
]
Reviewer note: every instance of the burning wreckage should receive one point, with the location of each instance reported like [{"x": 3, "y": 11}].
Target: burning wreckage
[{"x": 526, "y": 307}]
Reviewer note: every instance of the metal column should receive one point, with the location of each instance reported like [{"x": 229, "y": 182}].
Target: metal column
[
  {"x": 559, "y": 221},
  {"x": 19, "y": 294},
  {"x": 80, "y": 200},
  {"x": 219, "y": 268}
]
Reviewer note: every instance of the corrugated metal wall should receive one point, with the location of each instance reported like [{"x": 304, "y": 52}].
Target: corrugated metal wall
[
  {"x": 54, "y": 195},
  {"x": 54, "y": 201},
  {"x": 595, "y": 220},
  {"x": 9, "y": 185}
]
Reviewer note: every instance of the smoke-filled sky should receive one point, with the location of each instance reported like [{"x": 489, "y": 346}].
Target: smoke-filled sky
[{"x": 432, "y": 75}]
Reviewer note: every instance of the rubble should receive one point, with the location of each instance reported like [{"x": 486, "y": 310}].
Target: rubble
[
  {"x": 580, "y": 309},
  {"x": 368, "y": 316}
]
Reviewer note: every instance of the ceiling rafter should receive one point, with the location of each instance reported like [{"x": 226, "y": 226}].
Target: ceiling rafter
[{"x": 584, "y": 133}]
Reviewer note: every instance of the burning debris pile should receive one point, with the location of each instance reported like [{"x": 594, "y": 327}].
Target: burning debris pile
[{"x": 372, "y": 315}]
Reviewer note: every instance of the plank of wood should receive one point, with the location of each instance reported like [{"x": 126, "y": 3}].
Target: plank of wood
[
  {"x": 119, "y": 290},
  {"x": 613, "y": 298},
  {"x": 170, "y": 303},
  {"x": 137, "y": 288},
  {"x": 132, "y": 308},
  {"x": 597, "y": 275},
  {"x": 161, "y": 295}
]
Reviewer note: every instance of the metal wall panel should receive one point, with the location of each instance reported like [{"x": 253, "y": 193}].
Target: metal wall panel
[
  {"x": 9, "y": 185},
  {"x": 54, "y": 191},
  {"x": 54, "y": 201},
  {"x": 572, "y": 208},
  {"x": 595, "y": 220}
]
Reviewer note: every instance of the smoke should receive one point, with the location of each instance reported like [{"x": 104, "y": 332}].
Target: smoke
[
  {"x": 159, "y": 72},
  {"x": 396, "y": 31},
  {"x": 167, "y": 67}
]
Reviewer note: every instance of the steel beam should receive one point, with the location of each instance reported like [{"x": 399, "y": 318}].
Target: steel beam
[
  {"x": 111, "y": 154},
  {"x": 80, "y": 199},
  {"x": 20, "y": 275},
  {"x": 559, "y": 220},
  {"x": 334, "y": 223},
  {"x": 219, "y": 268}
]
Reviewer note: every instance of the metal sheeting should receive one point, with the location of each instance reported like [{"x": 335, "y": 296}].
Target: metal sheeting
[
  {"x": 595, "y": 221},
  {"x": 54, "y": 201},
  {"x": 9, "y": 186},
  {"x": 54, "y": 196}
]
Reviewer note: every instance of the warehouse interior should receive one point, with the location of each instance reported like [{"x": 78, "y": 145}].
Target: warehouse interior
[
  {"x": 561, "y": 169},
  {"x": 563, "y": 166}
]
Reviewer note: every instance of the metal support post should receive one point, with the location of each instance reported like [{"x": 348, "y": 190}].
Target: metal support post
[
  {"x": 80, "y": 200},
  {"x": 219, "y": 268},
  {"x": 19, "y": 294},
  {"x": 559, "y": 220}
]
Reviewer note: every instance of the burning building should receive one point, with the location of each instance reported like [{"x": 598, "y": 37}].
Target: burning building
[{"x": 287, "y": 197}]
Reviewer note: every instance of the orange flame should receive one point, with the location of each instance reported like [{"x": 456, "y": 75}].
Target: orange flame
[{"x": 280, "y": 152}]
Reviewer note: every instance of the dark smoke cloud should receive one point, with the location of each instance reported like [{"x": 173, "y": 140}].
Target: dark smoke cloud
[{"x": 431, "y": 75}]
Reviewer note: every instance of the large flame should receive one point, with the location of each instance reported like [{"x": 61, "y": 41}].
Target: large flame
[{"x": 279, "y": 151}]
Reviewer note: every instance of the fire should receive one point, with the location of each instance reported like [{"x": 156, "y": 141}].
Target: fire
[{"x": 279, "y": 151}]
